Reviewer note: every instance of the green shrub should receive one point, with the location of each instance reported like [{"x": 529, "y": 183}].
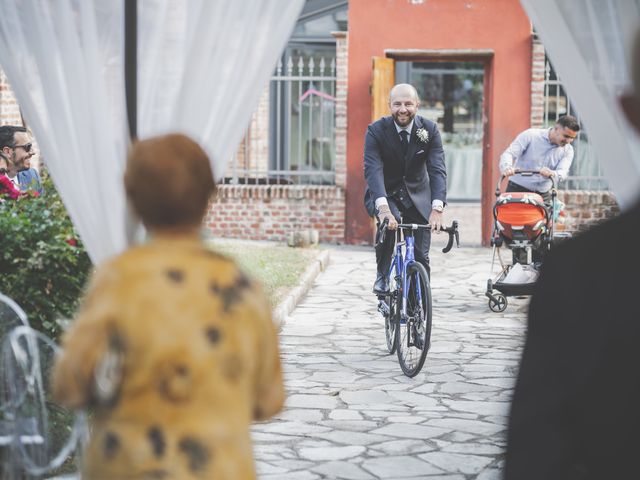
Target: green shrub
[{"x": 43, "y": 265}]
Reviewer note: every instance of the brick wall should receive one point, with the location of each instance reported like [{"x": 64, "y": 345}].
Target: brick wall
[
  {"x": 537, "y": 83},
  {"x": 253, "y": 152},
  {"x": 271, "y": 212},
  {"x": 342, "y": 48},
  {"x": 10, "y": 114},
  {"x": 585, "y": 208},
  {"x": 9, "y": 108}
]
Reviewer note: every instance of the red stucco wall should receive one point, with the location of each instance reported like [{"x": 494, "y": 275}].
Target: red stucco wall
[{"x": 499, "y": 25}]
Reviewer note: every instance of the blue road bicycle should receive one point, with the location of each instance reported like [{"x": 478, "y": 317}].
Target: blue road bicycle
[{"x": 407, "y": 307}]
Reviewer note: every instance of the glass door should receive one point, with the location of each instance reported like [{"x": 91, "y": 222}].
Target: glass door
[{"x": 451, "y": 94}]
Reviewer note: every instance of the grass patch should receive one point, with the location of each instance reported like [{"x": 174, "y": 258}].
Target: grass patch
[{"x": 276, "y": 266}]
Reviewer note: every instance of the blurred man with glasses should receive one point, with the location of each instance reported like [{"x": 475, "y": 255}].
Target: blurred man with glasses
[{"x": 16, "y": 145}]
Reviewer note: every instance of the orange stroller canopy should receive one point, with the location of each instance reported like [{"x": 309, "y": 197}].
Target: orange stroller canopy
[{"x": 520, "y": 209}]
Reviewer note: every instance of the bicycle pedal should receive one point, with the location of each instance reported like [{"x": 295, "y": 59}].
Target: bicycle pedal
[{"x": 383, "y": 308}]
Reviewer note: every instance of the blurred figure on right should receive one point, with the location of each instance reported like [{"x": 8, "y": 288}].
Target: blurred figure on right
[{"x": 576, "y": 407}]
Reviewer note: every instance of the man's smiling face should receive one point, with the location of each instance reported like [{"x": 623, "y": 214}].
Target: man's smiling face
[
  {"x": 22, "y": 152},
  {"x": 403, "y": 104}
]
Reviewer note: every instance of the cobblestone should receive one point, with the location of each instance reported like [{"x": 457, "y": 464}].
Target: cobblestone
[{"x": 352, "y": 414}]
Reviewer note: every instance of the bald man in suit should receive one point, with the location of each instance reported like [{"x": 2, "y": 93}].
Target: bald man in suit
[{"x": 406, "y": 176}]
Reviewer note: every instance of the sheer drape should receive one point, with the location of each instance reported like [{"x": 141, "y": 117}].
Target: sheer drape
[
  {"x": 202, "y": 66},
  {"x": 213, "y": 58},
  {"x": 64, "y": 61},
  {"x": 589, "y": 44}
]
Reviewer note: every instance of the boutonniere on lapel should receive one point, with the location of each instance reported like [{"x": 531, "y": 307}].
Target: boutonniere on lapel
[{"x": 422, "y": 135}]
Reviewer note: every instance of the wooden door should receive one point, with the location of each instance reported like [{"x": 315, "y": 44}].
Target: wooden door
[{"x": 382, "y": 80}]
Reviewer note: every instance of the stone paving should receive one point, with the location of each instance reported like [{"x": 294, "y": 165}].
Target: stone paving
[{"x": 352, "y": 414}]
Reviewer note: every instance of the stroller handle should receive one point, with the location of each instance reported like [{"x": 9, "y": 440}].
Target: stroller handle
[{"x": 525, "y": 173}]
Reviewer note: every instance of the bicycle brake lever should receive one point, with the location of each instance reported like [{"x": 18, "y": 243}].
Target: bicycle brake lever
[
  {"x": 453, "y": 234},
  {"x": 382, "y": 232}
]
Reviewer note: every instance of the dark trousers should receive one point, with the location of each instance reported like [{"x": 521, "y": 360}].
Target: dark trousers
[
  {"x": 384, "y": 250},
  {"x": 546, "y": 196}
]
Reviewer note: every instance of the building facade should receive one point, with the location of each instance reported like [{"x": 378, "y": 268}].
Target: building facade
[
  {"x": 481, "y": 74},
  {"x": 479, "y": 50},
  {"x": 483, "y": 86}
]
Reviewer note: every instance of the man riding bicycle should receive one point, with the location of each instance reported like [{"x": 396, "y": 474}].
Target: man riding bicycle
[{"x": 406, "y": 177}]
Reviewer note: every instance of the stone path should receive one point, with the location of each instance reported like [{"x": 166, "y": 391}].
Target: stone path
[{"x": 352, "y": 414}]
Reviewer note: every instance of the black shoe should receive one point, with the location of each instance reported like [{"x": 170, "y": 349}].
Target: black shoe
[{"x": 381, "y": 286}]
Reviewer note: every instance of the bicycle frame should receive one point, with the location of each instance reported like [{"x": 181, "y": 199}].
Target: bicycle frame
[
  {"x": 400, "y": 265},
  {"x": 408, "y": 326}
]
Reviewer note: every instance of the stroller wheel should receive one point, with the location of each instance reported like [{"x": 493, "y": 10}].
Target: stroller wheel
[{"x": 498, "y": 303}]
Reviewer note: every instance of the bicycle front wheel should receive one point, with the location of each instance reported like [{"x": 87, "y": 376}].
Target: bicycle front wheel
[{"x": 414, "y": 330}]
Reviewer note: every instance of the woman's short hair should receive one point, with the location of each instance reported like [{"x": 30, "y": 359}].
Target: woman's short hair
[{"x": 169, "y": 181}]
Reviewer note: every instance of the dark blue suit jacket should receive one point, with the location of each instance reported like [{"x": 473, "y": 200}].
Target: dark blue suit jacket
[
  {"x": 30, "y": 180},
  {"x": 422, "y": 170}
]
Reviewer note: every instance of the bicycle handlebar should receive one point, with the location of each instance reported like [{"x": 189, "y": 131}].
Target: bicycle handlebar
[{"x": 452, "y": 230}]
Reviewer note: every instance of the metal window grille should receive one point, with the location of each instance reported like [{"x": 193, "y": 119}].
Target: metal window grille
[
  {"x": 586, "y": 171},
  {"x": 291, "y": 137}
]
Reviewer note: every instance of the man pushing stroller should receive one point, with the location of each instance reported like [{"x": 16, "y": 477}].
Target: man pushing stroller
[{"x": 547, "y": 150}]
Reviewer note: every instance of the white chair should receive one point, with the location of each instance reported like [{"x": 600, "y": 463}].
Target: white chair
[
  {"x": 40, "y": 435},
  {"x": 11, "y": 316}
]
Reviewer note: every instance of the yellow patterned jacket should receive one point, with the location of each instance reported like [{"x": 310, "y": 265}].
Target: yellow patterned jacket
[{"x": 196, "y": 360}]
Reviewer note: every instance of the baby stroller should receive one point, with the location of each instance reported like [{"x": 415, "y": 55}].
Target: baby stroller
[{"x": 525, "y": 226}]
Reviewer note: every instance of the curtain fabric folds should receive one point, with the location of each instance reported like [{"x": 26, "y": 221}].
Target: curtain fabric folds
[
  {"x": 202, "y": 65},
  {"x": 64, "y": 61},
  {"x": 589, "y": 43}
]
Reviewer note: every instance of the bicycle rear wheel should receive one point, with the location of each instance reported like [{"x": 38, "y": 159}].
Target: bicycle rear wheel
[
  {"x": 391, "y": 320},
  {"x": 414, "y": 332}
]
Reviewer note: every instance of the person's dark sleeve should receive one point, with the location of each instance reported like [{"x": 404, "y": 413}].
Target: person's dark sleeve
[
  {"x": 436, "y": 168},
  {"x": 373, "y": 166}
]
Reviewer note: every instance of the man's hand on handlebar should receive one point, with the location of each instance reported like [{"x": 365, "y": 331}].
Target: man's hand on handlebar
[
  {"x": 545, "y": 172},
  {"x": 384, "y": 213},
  {"x": 435, "y": 220},
  {"x": 509, "y": 171}
]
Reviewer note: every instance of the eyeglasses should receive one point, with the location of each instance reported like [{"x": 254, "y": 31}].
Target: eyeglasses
[
  {"x": 3, "y": 171},
  {"x": 26, "y": 146}
]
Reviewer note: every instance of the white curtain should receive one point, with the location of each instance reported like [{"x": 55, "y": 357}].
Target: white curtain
[
  {"x": 589, "y": 44},
  {"x": 64, "y": 62},
  {"x": 202, "y": 65}
]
